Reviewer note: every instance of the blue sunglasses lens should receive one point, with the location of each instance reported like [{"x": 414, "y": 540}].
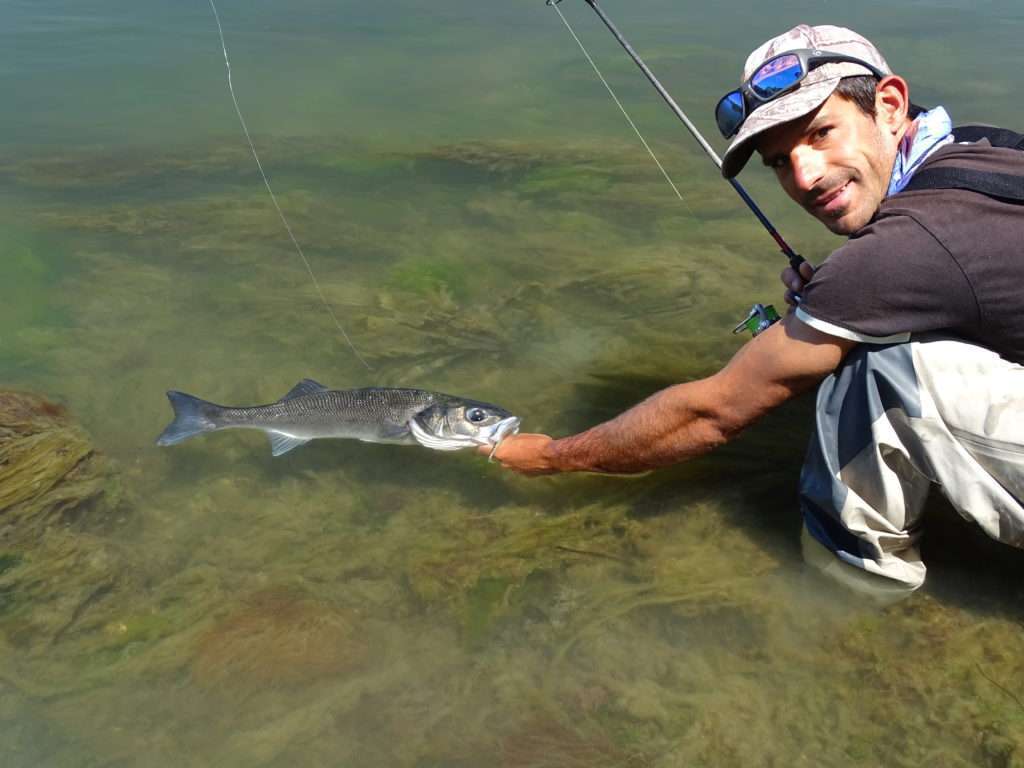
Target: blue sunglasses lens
[
  {"x": 776, "y": 76},
  {"x": 729, "y": 113}
]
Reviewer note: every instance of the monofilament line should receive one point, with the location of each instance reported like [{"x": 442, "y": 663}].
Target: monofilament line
[
  {"x": 622, "y": 109},
  {"x": 273, "y": 197}
]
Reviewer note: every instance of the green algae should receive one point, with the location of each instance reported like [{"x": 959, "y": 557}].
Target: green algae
[
  {"x": 486, "y": 601},
  {"x": 49, "y": 471},
  {"x": 563, "y": 182},
  {"x": 429, "y": 276},
  {"x": 30, "y": 320},
  {"x": 8, "y": 561},
  {"x": 380, "y": 605},
  {"x": 58, "y": 498},
  {"x": 145, "y": 628}
]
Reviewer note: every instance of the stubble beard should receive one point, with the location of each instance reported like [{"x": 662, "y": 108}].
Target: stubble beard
[{"x": 862, "y": 210}]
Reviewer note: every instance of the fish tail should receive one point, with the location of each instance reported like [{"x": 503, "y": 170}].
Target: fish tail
[{"x": 191, "y": 417}]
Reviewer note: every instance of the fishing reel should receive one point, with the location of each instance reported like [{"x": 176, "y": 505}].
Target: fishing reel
[{"x": 760, "y": 318}]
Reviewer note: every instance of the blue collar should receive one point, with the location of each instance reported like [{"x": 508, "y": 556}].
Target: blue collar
[{"x": 930, "y": 131}]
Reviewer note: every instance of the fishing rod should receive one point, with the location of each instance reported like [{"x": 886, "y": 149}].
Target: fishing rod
[{"x": 760, "y": 316}]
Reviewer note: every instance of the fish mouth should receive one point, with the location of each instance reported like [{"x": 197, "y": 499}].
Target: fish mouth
[
  {"x": 492, "y": 436},
  {"x": 503, "y": 429}
]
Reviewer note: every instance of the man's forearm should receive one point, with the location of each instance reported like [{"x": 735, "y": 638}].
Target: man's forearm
[
  {"x": 690, "y": 419},
  {"x": 675, "y": 424}
]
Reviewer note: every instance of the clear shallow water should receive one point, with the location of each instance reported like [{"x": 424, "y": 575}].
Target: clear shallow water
[{"x": 483, "y": 223}]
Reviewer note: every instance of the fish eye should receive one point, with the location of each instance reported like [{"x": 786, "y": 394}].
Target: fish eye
[{"x": 476, "y": 414}]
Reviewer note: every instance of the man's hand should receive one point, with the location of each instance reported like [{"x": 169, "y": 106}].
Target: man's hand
[
  {"x": 524, "y": 453},
  {"x": 795, "y": 281}
]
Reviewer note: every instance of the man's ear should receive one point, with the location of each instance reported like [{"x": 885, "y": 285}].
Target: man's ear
[{"x": 892, "y": 103}]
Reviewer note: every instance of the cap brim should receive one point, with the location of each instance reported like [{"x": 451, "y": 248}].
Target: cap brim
[{"x": 805, "y": 99}]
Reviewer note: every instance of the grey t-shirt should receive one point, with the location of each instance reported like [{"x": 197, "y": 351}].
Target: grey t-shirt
[{"x": 945, "y": 260}]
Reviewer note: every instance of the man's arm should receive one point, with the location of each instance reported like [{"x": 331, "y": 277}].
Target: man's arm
[{"x": 690, "y": 419}]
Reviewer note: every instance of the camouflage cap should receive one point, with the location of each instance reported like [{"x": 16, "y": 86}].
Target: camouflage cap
[{"x": 813, "y": 89}]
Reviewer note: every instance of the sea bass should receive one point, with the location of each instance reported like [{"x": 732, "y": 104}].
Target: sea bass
[{"x": 373, "y": 414}]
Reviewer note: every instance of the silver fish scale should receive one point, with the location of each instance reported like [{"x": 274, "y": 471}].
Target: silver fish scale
[{"x": 368, "y": 410}]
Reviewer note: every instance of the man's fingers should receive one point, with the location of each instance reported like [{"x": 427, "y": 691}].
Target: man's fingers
[
  {"x": 791, "y": 279},
  {"x": 524, "y": 453},
  {"x": 795, "y": 280}
]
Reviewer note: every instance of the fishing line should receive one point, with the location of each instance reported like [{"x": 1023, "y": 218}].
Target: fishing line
[
  {"x": 273, "y": 197},
  {"x": 621, "y": 108}
]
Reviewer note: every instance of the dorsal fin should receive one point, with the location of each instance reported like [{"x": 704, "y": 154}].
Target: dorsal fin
[{"x": 304, "y": 387}]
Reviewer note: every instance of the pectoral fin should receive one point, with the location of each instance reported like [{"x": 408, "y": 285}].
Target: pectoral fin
[
  {"x": 395, "y": 432},
  {"x": 281, "y": 443}
]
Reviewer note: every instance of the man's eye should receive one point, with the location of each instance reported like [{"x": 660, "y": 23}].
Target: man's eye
[{"x": 824, "y": 131}]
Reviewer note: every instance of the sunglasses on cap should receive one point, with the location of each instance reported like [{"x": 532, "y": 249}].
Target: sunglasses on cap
[{"x": 776, "y": 77}]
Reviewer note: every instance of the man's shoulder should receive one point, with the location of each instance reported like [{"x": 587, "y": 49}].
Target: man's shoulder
[
  {"x": 875, "y": 287},
  {"x": 980, "y": 140},
  {"x": 980, "y": 156},
  {"x": 969, "y": 193},
  {"x": 993, "y": 134},
  {"x": 893, "y": 231},
  {"x": 995, "y": 171}
]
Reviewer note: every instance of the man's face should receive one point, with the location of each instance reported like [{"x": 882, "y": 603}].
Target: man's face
[{"x": 835, "y": 162}]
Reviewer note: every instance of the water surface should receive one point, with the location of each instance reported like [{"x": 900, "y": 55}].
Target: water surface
[{"x": 483, "y": 222}]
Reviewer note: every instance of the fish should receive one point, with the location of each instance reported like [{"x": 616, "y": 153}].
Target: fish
[{"x": 370, "y": 414}]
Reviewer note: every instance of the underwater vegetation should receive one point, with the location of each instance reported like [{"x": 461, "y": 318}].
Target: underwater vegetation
[
  {"x": 277, "y": 637},
  {"x": 58, "y": 495},
  {"x": 354, "y": 604}
]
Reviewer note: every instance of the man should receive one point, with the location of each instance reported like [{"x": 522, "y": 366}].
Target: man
[{"x": 914, "y": 327}]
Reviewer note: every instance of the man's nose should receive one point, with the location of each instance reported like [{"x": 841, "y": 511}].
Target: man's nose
[{"x": 808, "y": 169}]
